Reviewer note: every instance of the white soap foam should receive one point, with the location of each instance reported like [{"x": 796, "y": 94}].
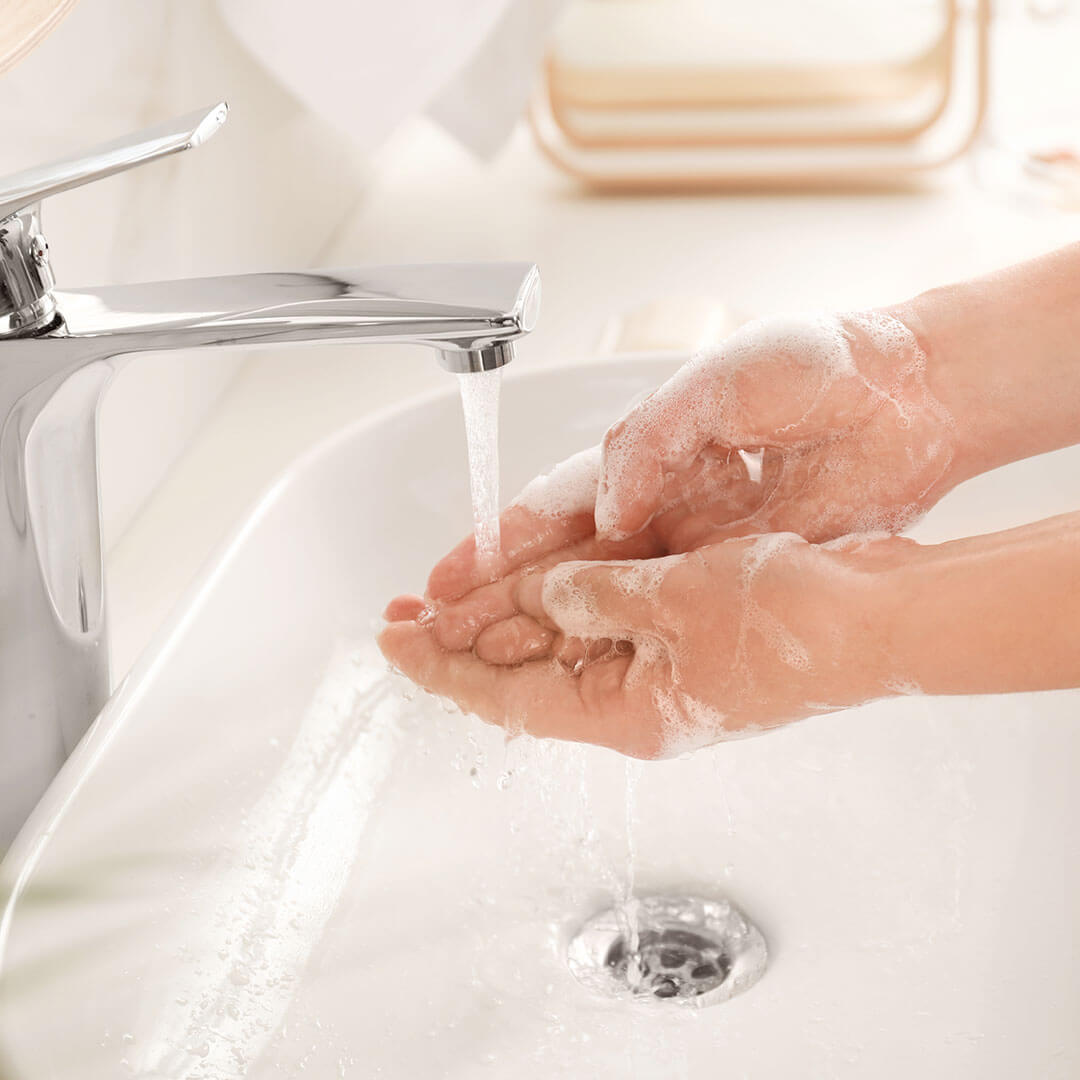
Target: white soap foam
[
  {"x": 763, "y": 549},
  {"x": 648, "y": 652},
  {"x": 754, "y": 617},
  {"x": 787, "y": 647},
  {"x": 890, "y": 337},
  {"x": 903, "y": 687},
  {"x": 886, "y": 519},
  {"x": 640, "y": 578},
  {"x": 575, "y": 610},
  {"x": 810, "y": 338},
  {"x": 857, "y": 541},
  {"x": 569, "y": 488},
  {"x": 691, "y": 725}
]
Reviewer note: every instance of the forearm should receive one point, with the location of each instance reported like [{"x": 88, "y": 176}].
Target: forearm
[
  {"x": 989, "y": 614},
  {"x": 1004, "y": 358}
]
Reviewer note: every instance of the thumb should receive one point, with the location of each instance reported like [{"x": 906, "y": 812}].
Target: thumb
[
  {"x": 592, "y": 600},
  {"x": 666, "y": 429}
]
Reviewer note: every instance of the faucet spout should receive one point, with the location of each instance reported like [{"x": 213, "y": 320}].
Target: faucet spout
[
  {"x": 457, "y": 308},
  {"x": 464, "y": 361},
  {"x": 57, "y": 352},
  {"x": 54, "y": 673}
]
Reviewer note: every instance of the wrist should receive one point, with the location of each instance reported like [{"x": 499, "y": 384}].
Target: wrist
[
  {"x": 1003, "y": 358},
  {"x": 856, "y": 617},
  {"x": 890, "y": 621},
  {"x": 983, "y": 614},
  {"x": 940, "y": 326}
]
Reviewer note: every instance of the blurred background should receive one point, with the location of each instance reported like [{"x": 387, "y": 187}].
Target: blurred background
[{"x": 675, "y": 166}]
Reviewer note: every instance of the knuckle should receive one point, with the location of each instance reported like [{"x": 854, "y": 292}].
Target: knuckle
[
  {"x": 614, "y": 433},
  {"x": 618, "y": 433},
  {"x": 679, "y": 578},
  {"x": 454, "y": 629}
]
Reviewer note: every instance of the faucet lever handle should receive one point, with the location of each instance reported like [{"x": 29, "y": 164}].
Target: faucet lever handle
[{"x": 24, "y": 189}]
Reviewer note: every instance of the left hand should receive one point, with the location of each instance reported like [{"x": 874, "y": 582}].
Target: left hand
[{"x": 655, "y": 656}]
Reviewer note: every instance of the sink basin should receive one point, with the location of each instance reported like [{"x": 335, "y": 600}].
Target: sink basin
[{"x": 265, "y": 857}]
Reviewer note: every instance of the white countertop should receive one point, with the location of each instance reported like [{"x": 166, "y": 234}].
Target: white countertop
[{"x": 599, "y": 257}]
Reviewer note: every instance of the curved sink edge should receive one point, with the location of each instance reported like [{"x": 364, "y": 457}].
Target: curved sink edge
[{"x": 20, "y": 860}]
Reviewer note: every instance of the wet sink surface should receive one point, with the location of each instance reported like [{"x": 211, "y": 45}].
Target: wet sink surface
[{"x": 270, "y": 859}]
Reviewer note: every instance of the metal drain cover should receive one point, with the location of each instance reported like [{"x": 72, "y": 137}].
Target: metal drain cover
[{"x": 687, "y": 950}]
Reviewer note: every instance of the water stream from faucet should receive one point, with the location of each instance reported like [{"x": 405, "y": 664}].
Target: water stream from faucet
[
  {"x": 480, "y": 393},
  {"x": 626, "y": 904},
  {"x": 480, "y": 404}
]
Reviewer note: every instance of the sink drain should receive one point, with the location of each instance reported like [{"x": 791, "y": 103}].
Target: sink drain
[{"x": 678, "y": 948}]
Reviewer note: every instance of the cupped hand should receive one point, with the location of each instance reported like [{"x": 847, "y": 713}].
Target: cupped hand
[
  {"x": 554, "y": 518},
  {"x": 818, "y": 425},
  {"x": 655, "y": 656},
  {"x": 470, "y": 602},
  {"x": 850, "y": 440},
  {"x": 853, "y": 439}
]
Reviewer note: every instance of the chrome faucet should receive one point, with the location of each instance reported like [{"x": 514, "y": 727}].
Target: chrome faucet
[{"x": 58, "y": 350}]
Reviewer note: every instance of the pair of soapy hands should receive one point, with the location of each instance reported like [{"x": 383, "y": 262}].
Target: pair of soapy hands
[{"x": 687, "y": 581}]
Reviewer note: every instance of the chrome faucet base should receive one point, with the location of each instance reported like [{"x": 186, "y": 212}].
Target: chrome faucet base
[{"x": 58, "y": 350}]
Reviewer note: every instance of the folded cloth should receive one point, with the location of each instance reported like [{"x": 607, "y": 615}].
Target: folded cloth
[{"x": 364, "y": 65}]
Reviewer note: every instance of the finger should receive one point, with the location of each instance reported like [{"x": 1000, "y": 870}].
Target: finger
[
  {"x": 613, "y": 600},
  {"x": 514, "y": 641},
  {"x": 817, "y": 496},
  {"x": 405, "y": 607},
  {"x": 782, "y": 507},
  {"x": 661, "y": 432},
  {"x": 703, "y": 530},
  {"x": 570, "y": 652},
  {"x": 529, "y": 595},
  {"x": 553, "y": 510},
  {"x": 716, "y": 474},
  {"x": 540, "y": 698},
  {"x": 525, "y": 537},
  {"x": 458, "y": 624},
  {"x": 717, "y": 491},
  {"x": 599, "y": 649}
]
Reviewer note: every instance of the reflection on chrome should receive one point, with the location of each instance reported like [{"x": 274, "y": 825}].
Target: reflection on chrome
[{"x": 58, "y": 350}]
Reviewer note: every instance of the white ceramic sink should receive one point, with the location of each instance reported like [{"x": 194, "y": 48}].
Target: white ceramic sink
[{"x": 263, "y": 857}]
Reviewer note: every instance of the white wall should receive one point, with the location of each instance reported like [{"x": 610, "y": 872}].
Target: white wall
[{"x": 269, "y": 191}]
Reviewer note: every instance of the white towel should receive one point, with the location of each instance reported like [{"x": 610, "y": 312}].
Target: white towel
[{"x": 364, "y": 65}]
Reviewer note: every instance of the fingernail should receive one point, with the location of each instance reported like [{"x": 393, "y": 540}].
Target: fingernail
[
  {"x": 529, "y": 593},
  {"x": 598, "y": 649},
  {"x": 605, "y": 517},
  {"x": 538, "y": 646}
]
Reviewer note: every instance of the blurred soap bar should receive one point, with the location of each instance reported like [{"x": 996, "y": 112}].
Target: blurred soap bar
[{"x": 678, "y": 324}]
